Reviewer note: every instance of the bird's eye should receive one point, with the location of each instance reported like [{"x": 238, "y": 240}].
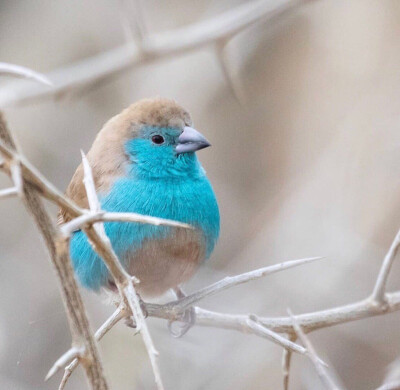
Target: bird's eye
[{"x": 157, "y": 139}]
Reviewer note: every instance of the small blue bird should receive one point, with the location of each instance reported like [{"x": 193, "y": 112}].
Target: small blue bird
[{"x": 144, "y": 161}]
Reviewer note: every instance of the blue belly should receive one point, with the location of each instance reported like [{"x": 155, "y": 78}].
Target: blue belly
[{"x": 187, "y": 200}]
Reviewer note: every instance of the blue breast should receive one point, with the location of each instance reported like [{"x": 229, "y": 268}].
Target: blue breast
[{"x": 188, "y": 199}]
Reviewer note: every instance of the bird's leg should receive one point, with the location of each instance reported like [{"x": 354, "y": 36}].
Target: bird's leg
[{"x": 188, "y": 317}]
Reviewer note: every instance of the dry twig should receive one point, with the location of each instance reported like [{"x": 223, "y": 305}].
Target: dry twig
[
  {"x": 316, "y": 361},
  {"x": 21, "y": 71},
  {"x": 286, "y": 360},
  {"x": 390, "y": 386},
  {"x": 378, "y": 294}
]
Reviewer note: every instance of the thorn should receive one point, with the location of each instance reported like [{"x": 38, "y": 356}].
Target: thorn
[{"x": 63, "y": 361}]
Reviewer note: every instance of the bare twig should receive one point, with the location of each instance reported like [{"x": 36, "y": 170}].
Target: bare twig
[
  {"x": 260, "y": 330},
  {"x": 39, "y": 182},
  {"x": 8, "y": 193},
  {"x": 286, "y": 360},
  {"x": 67, "y": 357},
  {"x": 321, "y": 370},
  {"x": 309, "y": 321},
  {"x": 380, "y": 286},
  {"x": 390, "y": 386},
  {"x": 103, "y": 330},
  {"x": 21, "y": 71},
  {"x": 231, "y": 281},
  {"x": 103, "y": 216},
  {"x": 16, "y": 176}
]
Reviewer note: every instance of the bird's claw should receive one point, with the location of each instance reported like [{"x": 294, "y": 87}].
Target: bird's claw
[{"x": 187, "y": 320}]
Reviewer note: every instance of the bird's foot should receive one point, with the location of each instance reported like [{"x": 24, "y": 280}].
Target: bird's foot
[
  {"x": 129, "y": 321},
  {"x": 186, "y": 321}
]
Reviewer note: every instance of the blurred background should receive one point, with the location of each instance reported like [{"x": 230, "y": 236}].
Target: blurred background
[{"x": 308, "y": 166}]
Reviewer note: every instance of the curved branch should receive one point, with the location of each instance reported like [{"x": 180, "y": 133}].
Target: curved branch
[{"x": 98, "y": 68}]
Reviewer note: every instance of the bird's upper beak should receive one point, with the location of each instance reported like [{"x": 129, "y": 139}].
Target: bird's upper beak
[{"x": 191, "y": 140}]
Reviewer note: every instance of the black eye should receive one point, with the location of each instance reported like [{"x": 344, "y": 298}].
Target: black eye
[{"x": 157, "y": 139}]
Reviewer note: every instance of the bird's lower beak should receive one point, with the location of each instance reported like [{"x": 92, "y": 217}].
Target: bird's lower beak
[{"x": 190, "y": 141}]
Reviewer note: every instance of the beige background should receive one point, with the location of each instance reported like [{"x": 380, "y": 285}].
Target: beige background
[{"x": 311, "y": 166}]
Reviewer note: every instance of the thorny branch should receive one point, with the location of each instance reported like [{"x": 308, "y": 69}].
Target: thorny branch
[
  {"x": 58, "y": 250},
  {"x": 129, "y": 298},
  {"x": 316, "y": 361},
  {"x": 262, "y": 326},
  {"x": 286, "y": 361}
]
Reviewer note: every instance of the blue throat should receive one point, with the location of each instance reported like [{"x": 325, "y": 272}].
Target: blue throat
[{"x": 157, "y": 183}]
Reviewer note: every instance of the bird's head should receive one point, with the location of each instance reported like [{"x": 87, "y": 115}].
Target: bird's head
[{"x": 157, "y": 138}]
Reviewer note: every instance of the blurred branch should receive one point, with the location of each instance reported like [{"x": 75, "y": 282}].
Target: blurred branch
[
  {"x": 21, "y": 71},
  {"x": 390, "y": 386},
  {"x": 380, "y": 287},
  {"x": 97, "y": 69},
  {"x": 392, "y": 377},
  {"x": 8, "y": 193},
  {"x": 126, "y": 26}
]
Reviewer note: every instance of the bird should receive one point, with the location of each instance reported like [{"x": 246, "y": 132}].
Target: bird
[{"x": 144, "y": 161}]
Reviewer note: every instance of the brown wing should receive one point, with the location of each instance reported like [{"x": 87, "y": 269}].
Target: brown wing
[{"x": 76, "y": 192}]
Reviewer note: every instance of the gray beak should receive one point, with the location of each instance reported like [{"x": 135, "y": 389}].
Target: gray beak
[{"x": 190, "y": 141}]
